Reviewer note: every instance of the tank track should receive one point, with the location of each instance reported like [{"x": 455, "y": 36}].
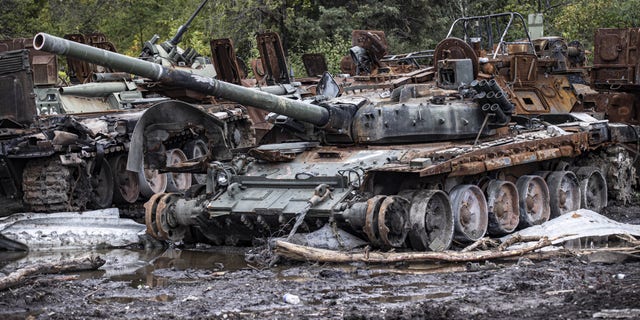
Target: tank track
[{"x": 49, "y": 186}]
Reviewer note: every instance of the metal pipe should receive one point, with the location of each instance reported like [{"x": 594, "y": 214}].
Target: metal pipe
[{"x": 172, "y": 77}]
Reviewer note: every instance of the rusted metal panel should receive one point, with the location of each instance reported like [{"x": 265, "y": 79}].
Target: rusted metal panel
[
  {"x": 547, "y": 154},
  {"x": 498, "y": 163},
  {"x": 315, "y": 64},
  {"x": 469, "y": 168},
  {"x": 273, "y": 59},
  {"x": 81, "y": 71},
  {"x": 16, "y": 87},
  {"x": 616, "y": 62},
  {"x": 224, "y": 60}
]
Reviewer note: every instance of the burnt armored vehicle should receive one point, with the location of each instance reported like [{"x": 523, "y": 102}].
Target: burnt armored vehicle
[
  {"x": 65, "y": 148},
  {"x": 442, "y": 152}
]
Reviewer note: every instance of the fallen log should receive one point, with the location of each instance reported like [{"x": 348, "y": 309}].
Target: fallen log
[
  {"x": 304, "y": 253},
  {"x": 80, "y": 264}
]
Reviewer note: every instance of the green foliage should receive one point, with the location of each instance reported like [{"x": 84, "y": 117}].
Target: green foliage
[
  {"x": 580, "y": 19},
  {"x": 322, "y": 26},
  {"x": 333, "y": 49}
]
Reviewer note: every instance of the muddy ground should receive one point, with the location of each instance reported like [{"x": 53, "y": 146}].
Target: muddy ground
[{"x": 217, "y": 283}]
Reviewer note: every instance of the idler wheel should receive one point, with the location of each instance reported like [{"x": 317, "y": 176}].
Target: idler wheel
[
  {"x": 102, "y": 185},
  {"x": 195, "y": 149},
  {"x": 168, "y": 228},
  {"x": 371, "y": 220},
  {"x": 470, "y": 212},
  {"x": 177, "y": 181},
  {"x": 564, "y": 192},
  {"x": 392, "y": 221},
  {"x": 431, "y": 224},
  {"x": 593, "y": 188},
  {"x": 126, "y": 187},
  {"x": 150, "y": 215},
  {"x": 502, "y": 202},
  {"x": 533, "y": 195}
]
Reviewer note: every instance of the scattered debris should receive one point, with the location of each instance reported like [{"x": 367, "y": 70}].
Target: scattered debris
[
  {"x": 328, "y": 238},
  {"x": 618, "y": 314},
  {"x": 583, "y": 224},
  {"x": 68, "y": 230},
  {"x": 291, "y": 298}
]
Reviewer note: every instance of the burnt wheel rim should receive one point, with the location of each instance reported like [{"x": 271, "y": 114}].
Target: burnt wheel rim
[
  {"x": 102, "y": 183},
  {"x": 177, "y": 181},
  {"x": 150, "y": 215},
  {"x": 564, "y": 192},
  {"x": 430, "y": 221},
  {"x": 151, "y": 182},
  {"x": 533, "y": 195},
  {"x": 392, "y": 221},
  {"x": 593, "y": 188},
  {"x": 502, "y": 202},
  {"x": 470, "y": 212},
  {"x": 126, "y": 184},
  {"x": 196, "y": 149}
]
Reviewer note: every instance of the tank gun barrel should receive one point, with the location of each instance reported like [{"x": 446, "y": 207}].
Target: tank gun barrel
[
  {"x": 299, "y": 110},
  {"x": 183, "y": 28},
  {"x": 94, "y": 89}
]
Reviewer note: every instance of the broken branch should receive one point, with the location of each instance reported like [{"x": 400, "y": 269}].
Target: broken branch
[
  {"x": 304, "y": 253},
  {"x": 80, "y": 264}
]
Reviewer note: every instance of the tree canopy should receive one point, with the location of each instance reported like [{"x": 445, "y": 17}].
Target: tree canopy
[{"x": 304, "y": 25}]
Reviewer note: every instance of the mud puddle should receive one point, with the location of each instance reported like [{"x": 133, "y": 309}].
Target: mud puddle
[
  {"x": 218, "y": 284},
  {"x": 137, "y": 267}
]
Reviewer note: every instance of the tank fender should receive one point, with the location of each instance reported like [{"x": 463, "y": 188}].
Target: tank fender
[{"x": 175, "y": 114}]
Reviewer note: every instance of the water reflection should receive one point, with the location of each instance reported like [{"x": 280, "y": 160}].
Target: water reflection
[{"x": 139, "y": 267}]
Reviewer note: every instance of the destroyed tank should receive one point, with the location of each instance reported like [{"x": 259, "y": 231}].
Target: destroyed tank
[
  {"x": 66, "y": 150},
  {"x": 480, "y": 142}
]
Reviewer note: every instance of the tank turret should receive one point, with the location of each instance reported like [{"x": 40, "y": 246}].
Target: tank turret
[{"x": 437, "y": 116}]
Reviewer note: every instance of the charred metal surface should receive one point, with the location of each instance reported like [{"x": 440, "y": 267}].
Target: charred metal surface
[
  {"x": 81, "y": 71},
  {"x": 224, "y": 59},
  {"x": 274, "y": 62},
  {"x": 615, "y": 60},
  {"x": 17, "y": 107},
  {"x": 315, "y": 64}
]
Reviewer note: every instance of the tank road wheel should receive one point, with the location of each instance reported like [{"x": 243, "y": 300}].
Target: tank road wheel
[
  {"x": 564, "y": 192},
  {"x": 533, "y": 195},
  {"x": 177, "y": 181},
  {"x": 430, "y": 220},
  {"x": 469, "y": 208},
  {"x": 102, "y": 187},
  {"x": 502, "y": 202},
  {"x": 151, "y": 182},
  {"x": 371, "y": 220},
  {"x": 126, "y": 187},
  {"x": 195, "y": 149},
  {"x": 150, "y": 215},
  {"x": 593, "y": 188},
  {"x": 392, "y": 221}
]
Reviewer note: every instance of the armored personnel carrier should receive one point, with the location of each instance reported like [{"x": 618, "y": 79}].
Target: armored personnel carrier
[{"x": 481, "y": 141}]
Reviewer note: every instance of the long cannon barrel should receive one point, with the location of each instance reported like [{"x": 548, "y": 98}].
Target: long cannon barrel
[
  {"x": 183, "y": 28},
  {"x": 299, "y": 110},
  {"x": 94, "y": 89}
]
